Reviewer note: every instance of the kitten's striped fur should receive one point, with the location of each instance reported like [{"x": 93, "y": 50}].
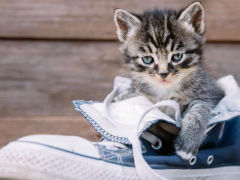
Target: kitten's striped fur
[{"x": 160, "y": 34}]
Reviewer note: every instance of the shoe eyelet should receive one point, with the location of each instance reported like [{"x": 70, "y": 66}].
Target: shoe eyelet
[
  {"x": 192, "y": 160},
  {"x": 144, "y": 149},
  {"x": 158, "y": 145},
  {"x": 210, "y": 159}
]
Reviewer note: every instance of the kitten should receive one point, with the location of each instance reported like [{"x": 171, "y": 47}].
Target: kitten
[{"x": 163, "y": 51}]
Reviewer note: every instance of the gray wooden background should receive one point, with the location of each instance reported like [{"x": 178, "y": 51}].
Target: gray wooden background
[{"x": 54, "y": 51}]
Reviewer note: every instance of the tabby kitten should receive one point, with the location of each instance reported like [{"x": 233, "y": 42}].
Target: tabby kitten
[{"x": 163, "y": 51}]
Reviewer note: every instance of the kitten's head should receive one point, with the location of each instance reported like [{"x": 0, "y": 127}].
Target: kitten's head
[{"x": 162, "y": 47}]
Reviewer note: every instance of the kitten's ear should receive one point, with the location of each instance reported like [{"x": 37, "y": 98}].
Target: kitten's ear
[
  {"x": 125, "y": 22},
  {"x": 193, "y": 17}
]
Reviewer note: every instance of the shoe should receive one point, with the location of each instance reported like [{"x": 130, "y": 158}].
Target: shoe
[
  {"x": 120, "y": 154},
  {"x": 52, "y": 157}
]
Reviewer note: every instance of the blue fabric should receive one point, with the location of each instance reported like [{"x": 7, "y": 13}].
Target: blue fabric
[{"x": 224, "y": 150}]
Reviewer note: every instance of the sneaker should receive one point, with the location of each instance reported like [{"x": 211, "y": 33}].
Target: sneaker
[{"x": 128, "y": 150}]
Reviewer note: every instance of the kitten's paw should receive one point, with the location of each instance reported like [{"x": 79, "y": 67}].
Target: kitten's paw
[
  {"x": 186, "y": 147},
  {"x": 184, "y": 155}
]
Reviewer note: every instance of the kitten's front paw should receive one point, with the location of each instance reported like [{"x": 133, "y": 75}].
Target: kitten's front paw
[
  {"x": 186, "y": 147},
  {"x": 184, "y": 155}
]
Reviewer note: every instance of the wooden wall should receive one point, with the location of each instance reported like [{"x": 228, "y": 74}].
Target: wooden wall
[{"x": 54, "y": 51}]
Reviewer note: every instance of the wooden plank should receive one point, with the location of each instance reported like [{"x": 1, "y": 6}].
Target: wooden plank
[
  {"x": 93, "y": 19},
  {"x": 223, "y": 59},
  {"x": 12, "y": 128},
  {"x": 40, "y": 78}
]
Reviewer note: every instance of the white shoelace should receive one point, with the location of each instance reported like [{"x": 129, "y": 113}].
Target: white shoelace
[
  {"x": 145, "y": 172},
  {"x": 152, "y": 139}
]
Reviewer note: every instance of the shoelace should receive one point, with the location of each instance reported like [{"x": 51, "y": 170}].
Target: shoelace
[
  {"x": 145, "y": 172},
  {"x": 155, "y": 142}
]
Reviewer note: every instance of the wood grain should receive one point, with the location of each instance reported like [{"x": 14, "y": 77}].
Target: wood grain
[
  {"x": 41, "y": 78},
  {"x": 12, "y": 128},
  {"x": 93, "y": 19}
]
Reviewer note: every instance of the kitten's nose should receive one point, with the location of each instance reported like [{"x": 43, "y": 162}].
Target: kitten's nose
[{"x": 164, "y": 75}]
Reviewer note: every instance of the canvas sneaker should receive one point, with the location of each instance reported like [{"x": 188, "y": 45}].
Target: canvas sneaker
[{"x": 50, "y": 157}]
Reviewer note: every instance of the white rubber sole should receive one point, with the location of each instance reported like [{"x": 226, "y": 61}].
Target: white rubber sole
[{"x": 37, "y": 162}]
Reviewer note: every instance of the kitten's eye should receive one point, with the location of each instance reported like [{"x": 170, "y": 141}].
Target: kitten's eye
[
  {"x": 147, "y": 60},
  {"x": 177, "y": 57}
]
